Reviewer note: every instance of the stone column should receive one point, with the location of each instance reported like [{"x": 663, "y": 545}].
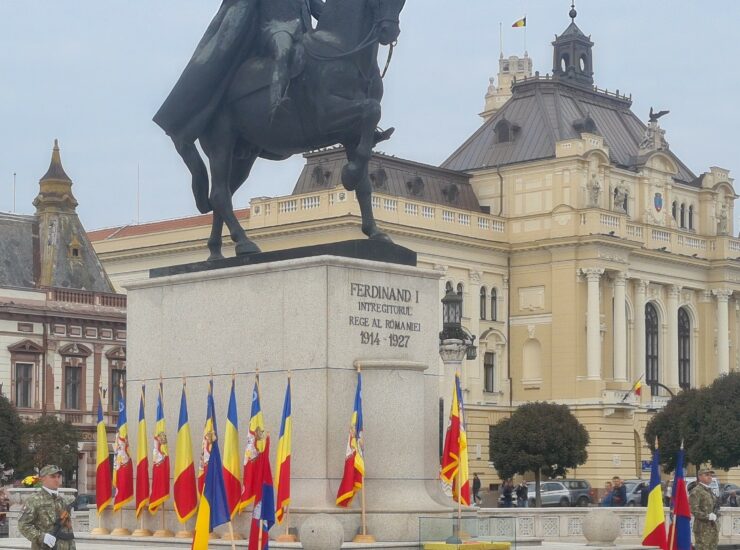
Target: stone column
[
  {"x": 620, "y": 329},
  {"x": 671, "y": 370},
  {"x": 640, "y": 296},
  {"x": 593, "y": 324},
  {"x": 723, "y": 327}
]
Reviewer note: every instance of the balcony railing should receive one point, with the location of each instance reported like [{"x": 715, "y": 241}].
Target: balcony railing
[{"x": 86, "y": 297}]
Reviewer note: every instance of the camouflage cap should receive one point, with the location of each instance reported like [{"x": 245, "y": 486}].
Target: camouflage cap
[
  {"x": 49, "y": 470},
  {"x": 706, "y": 471}
]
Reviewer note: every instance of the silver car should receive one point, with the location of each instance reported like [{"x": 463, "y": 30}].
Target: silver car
[{"x": 553, "y": 493}]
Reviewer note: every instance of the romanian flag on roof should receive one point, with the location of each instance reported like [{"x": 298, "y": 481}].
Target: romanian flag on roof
[
  {"x": 185, "y": 488},
  {"x": 142, "y": 462},
  {"x": 213, "y": 510},
  {"x": 123, "y": 468},
  {"x": 161, "y": 459},
  {"x": 282, "y": 470},
  {"x": 679, "y": 533},
  {"x": 263, "y": 514},
  {"x": 520, "y": 22},
  {"x": 354, "y": 461},
  {"x": 232, "y": 480},
  {"x": 103, "y": 489},
  {"x": 654, "y": 531},
  {"x": 454, "y": 471},
  {"x": 638, "y": 388},
  {"x": 255, "y": 447}
]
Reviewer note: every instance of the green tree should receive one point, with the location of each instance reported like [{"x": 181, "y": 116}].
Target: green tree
[
  {"x": 543, "y": 438},
  {"x": 706, "y": 420},
  {"x": 49, "y": 440},
  {"x": 10, "y": 428}
]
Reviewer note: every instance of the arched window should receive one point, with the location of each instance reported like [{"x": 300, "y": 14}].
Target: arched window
[
  {"x": 691, "y": 216},
  {"x": 494, "y": 305},
  {"x": 674, "y": 210},
  {"x": 684, "y": 349},
  {"x": 482, "y": 302},
  {"x": 651, "y": 347},
  {"x": 683, "y": 215}
]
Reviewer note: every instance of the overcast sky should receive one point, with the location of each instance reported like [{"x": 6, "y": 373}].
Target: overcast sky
[{"x": 92, "y": 73}]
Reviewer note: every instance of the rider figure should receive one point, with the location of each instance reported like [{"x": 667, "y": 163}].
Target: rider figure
[{"x": 283, "y": 23}]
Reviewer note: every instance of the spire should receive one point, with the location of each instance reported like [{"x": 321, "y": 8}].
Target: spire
[
  {"x": 55, "y": 171},
  {"x": 55, "y": 187},
  {"x": 572, "y": 56}
]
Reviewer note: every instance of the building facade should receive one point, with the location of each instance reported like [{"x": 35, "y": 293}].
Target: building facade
[
  {"x": 587, "y": 254},
  {"x": 62, "y": 326}
]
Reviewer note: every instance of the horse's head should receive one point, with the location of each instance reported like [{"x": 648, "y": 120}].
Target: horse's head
[{"x": 386, "y": 13}]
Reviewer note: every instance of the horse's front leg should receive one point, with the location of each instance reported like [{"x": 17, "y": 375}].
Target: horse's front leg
[{"x": 215, "y": 241}]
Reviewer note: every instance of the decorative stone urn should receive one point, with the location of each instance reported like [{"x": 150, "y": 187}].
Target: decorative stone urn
[
  {"x": 601, "y": 527},
  {"x": 19, "y": 495}
]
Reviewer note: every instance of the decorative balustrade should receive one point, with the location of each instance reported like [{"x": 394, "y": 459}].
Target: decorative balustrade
[{"x": 86, "y": 297}]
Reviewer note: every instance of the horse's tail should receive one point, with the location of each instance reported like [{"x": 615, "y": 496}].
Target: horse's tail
[{"x": 190, "y": 154}]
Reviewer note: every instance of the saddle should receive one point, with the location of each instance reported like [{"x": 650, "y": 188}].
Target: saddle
[{"x": 255, "y": 73}]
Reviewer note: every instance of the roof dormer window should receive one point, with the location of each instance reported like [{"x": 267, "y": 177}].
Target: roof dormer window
[{"x": 505, "y": 131}]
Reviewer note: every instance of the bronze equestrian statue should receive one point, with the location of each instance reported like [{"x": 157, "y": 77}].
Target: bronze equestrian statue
[{"x": 263, "y": 84}]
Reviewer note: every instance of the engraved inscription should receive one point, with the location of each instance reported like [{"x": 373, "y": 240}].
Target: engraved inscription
[{"x": 385, "y": 314}]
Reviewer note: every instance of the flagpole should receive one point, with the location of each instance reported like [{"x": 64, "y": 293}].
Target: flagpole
[{"x": 232, "y": 537}]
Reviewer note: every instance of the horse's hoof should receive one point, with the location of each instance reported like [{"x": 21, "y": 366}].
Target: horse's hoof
[
  {"x": 215, "y": 256},
  {"x": 247, "y": 247},
  {"x": 380, "y": 236},
  {"x": 351, "y": 176}
]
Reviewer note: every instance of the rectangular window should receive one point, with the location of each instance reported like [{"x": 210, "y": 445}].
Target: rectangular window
[
  {"x": 72, "y": 386},
  {"x": 23, "y": 377},
  {"x": 117, "y": 379},
  {"x": 489, "y": 370}
]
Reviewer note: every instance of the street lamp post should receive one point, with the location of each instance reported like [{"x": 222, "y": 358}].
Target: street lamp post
[{"x": 455, "y": 344}]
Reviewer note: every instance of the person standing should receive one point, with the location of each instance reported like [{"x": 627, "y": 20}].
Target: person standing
[
  {"x": 522, "y": 492},
  {"x": 606, "y": 499},
  {"x": 732, "y": 499},
  {"x": 45, "y": 519},
  {"x": 704, "y": 508},
  {"x": 476, "y": 490},
  {"x": 619, "y": 492},
  {"x": 508, "y": 491}
]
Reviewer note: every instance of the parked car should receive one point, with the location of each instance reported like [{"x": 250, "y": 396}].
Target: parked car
[
  {"x": 82, "y": 501},
  {"x": 560, "y": 492},
  {"x": 726, "y": 489},
  {"x": 634, "y": 491}
]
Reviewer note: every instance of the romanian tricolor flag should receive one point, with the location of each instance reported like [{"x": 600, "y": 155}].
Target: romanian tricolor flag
[
  {"x": 679, "y": 533},
  {"x": 638, "y": 388},
  {"x": 255, "y": 447},
  {"x": 232, "y": 480},
  {"x": 205, "y": 450},
  {"x": 213, "y": 510},
  {"x": 282, "y": 471},
  {"x": 520, "y": 22},
  {"x": 123, "y": 469},
  {"x": 263, "y": 515},
  {"x": 454, "y": 470},
  {"x": 654, "y": 531},
  {"x": 160, "y": 460},
  {"x": 103, "y": 489},
  {"x": 142, "y": 460},
  {"x": 185, "y": 487},
  {"x": 354, "y": 462}
]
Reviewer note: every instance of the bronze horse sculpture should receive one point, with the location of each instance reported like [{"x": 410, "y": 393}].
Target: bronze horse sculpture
[{"x": 333, "y": 98}]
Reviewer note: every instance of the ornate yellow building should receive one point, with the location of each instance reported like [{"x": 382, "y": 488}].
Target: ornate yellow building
[{"x": 588, "y": 255}]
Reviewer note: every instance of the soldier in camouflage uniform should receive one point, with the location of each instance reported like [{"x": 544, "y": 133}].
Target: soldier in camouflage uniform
[
  {"x": 45, "y": 519},
  {"x": 704, "y": 508}
]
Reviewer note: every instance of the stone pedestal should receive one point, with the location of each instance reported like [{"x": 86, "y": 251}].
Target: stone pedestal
[{"x": 318, "y": 318}]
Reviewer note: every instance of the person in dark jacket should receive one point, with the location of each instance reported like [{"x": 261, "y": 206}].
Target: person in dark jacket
[
  {"x": 619, "y": 492},
  {"x": 508, "y": 492},
  {"x": 476, "y": 490},
  {"x": 522, "y": 492},
  {"x": 644, "y": 493}
]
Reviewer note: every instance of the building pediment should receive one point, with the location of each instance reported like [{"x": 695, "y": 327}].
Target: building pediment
[
  {"x": 75, "y": 350},
  {"x": 117, "y": 353},
  {"x": 25, "y": 346}
]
